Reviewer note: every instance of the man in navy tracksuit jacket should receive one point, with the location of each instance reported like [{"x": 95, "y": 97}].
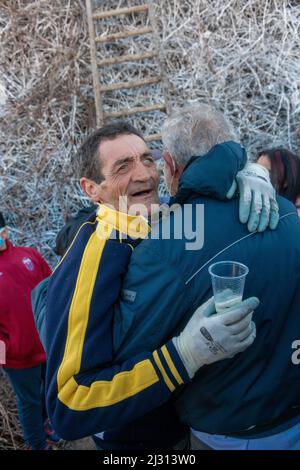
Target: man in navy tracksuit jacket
[{"x": 255, "y": 395}]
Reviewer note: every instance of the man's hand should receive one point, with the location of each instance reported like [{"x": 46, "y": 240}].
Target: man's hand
[
  {"x": 208, "y": 338},
  {"x": 258, "y": 205}
]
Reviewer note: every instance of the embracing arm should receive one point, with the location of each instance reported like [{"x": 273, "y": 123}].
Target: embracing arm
[
  {"x": 224, "y": 172},
  {"x": 85, "y": 392},
  {"x": 155, "y": 304}
]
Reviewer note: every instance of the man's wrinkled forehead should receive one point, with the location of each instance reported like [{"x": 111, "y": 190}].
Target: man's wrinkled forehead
[{"x": 123, "y": 146}]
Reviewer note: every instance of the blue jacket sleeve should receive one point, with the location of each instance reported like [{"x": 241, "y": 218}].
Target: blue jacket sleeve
[
  {"x": 38, "y": 302},
  {"x": 85, "y": 392},
  {"x": 154, "y": 300}
]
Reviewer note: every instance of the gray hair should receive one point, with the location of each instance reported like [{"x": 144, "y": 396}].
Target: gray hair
[{"x": 194, "y": 130}]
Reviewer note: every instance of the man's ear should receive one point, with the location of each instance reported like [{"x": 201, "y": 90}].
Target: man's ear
[
  {"x": 171, "y": 163},
  {"x": 91, "y": 188}
]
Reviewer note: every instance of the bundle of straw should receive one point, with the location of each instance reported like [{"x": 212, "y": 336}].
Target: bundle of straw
[{"x": 240, "y": 56}]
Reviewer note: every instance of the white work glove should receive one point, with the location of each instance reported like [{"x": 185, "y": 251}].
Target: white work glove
[
  {"x": 208, "y": 338},
  {"x": 258, "y": 205}
]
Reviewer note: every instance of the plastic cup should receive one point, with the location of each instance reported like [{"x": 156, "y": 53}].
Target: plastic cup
[{"x": 228, "y": 281}]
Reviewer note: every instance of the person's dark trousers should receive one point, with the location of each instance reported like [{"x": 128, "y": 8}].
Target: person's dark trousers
[{"x": 27, "y": 385}]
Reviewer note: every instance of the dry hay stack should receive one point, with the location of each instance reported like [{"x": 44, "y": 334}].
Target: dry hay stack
[
  {"x": 242, "y": 56},
  {"x": 10, "y": 432}
]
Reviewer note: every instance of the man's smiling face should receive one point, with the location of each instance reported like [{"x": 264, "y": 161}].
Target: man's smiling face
[{"x": 128, "y": 169}]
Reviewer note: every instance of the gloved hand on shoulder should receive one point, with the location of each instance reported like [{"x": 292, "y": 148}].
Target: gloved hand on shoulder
[{"x": 258, "y": 205}]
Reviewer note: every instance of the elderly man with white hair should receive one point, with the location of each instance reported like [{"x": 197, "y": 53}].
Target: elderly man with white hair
[{"x": 250, "y": 401}]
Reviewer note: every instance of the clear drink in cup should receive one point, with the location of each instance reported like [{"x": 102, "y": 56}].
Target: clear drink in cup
[{"x": 228, "y": 281}]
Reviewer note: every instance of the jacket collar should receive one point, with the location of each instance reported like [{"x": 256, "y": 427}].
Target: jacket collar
[
  {"x": 211, "y": 174},
  {"x": 133, "y": 226},
  {"x": 9, "y": 247}
]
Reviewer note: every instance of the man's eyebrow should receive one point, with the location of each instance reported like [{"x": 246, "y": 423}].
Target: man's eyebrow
[
  {"x": 148, "y": 153},
  {"x": 129, "y": 158},
  {"x": 123, "y": 160}
]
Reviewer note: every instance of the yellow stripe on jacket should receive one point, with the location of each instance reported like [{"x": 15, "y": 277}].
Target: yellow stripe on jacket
[{"x": 99, "y": 393}]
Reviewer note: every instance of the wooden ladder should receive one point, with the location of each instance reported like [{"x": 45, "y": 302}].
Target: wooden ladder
[{"x": 100, "y": 89}]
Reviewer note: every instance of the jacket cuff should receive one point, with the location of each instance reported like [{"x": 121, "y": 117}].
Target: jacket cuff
[{"x": 171, "y": 366}]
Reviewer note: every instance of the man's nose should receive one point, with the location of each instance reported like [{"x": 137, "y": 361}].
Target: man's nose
[{"x": 140, "y": 172}]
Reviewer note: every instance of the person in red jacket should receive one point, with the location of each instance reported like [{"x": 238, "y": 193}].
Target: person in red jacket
[{"x": 23, "y": 356}]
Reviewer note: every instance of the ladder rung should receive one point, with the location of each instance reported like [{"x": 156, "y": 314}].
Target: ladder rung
[
  {"x": 125, "y": 34},
  {"x": 151, "y": 137},
  {"x": 140, "y": 109},
  {"x": 126, "y": 85},
  {"x": 126, "y": 58},
  {"x": 120, "y": 11}
]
